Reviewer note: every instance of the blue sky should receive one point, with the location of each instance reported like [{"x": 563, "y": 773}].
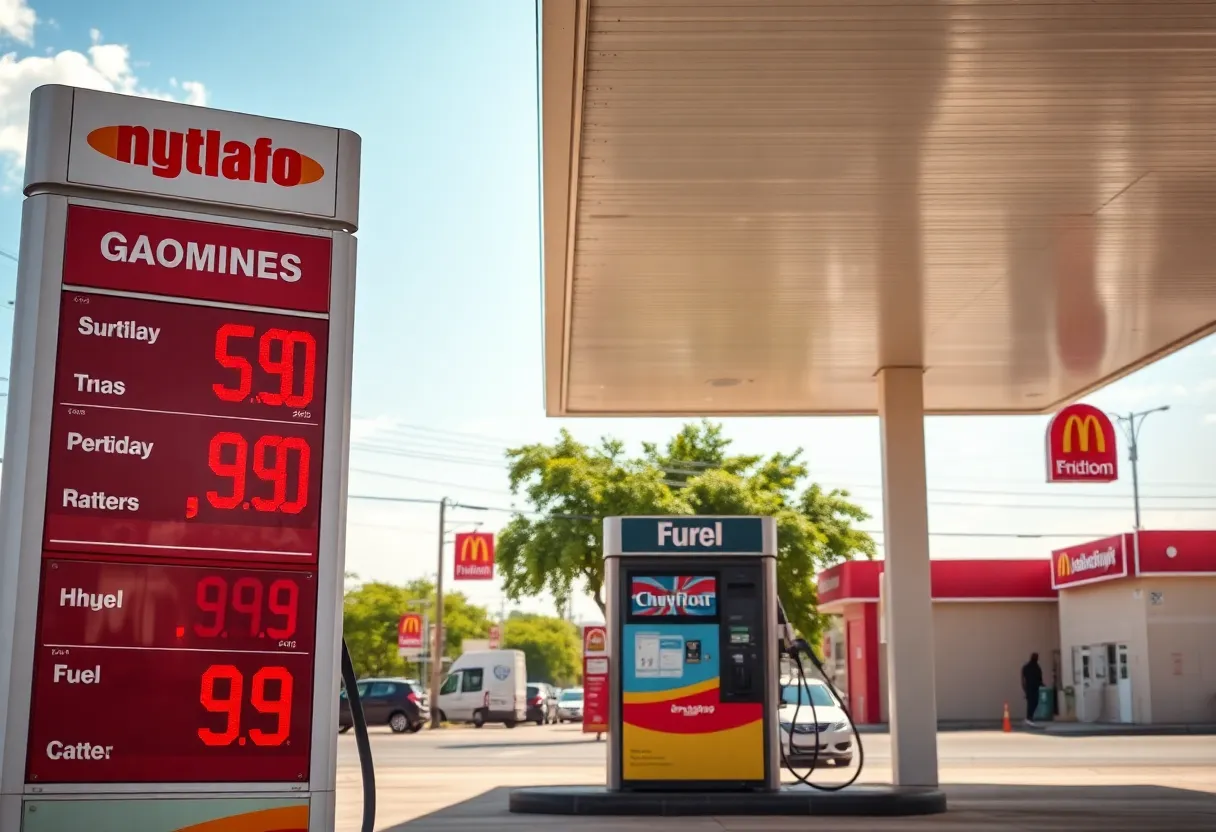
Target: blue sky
[{"x": 448, "y": 348}]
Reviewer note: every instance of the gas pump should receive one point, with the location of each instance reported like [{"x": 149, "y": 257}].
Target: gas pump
[
  {"x": 696, "y": 636},
  {"x": 692, "y": 614},
  {"x": 174, "y": 486}
]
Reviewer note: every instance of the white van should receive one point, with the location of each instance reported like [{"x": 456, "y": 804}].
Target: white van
[{"x": 486, "y": 686}]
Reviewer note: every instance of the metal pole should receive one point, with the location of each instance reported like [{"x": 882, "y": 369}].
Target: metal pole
[
  {"x": 437, "y": 644},
  {"x": 1134, "y": 455},
  {"x": 1132, "y": 423}
]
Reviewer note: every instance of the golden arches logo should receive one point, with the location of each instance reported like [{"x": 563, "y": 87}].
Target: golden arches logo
[
  {"x": 1063, "y": 566},
  {"x": 1081, "y": 426},
  {"x": 411, "y": 625},
  {"x": 474, "y": 548}
]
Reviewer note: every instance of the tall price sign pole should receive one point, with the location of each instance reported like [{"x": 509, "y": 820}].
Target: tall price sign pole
[{"x": 172, "y": 508}]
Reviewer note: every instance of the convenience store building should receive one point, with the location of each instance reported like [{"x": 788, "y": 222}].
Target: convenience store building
[{"x": 1123, "y": 627}]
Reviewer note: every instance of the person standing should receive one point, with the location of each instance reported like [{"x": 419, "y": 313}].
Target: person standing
[{"x": 1032, "y": 680}]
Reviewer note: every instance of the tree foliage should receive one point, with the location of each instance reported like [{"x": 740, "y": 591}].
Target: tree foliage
[
  {"x": 370, "y": 613},
  {"x": 571, "y": 487},
  {"x": 552, "y": 646}
]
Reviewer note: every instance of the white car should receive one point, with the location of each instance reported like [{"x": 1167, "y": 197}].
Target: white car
[
  {"x": 826, "y": 724},
  {"x": 570, "y": 705}
]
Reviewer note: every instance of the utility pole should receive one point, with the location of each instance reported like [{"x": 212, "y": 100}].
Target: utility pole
[
  {"x": 437, "y": 641},
  {"x": 437, "y": 645},
  {"x": 1131, "y": 424}
]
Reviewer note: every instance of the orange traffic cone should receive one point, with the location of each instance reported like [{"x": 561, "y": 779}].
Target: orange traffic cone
[{"x": 1005, "y": 724}]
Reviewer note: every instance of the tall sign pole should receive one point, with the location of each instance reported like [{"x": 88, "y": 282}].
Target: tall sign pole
[
  {"x": 437, "y": 640},
  {"x": 172, "y": 512}
]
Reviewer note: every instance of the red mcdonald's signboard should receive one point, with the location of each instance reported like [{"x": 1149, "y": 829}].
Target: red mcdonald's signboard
[
  {"x": 410, "y": 631},
  {"x": 474, "y": 556},
  {"x": 1082, "y": 446}
]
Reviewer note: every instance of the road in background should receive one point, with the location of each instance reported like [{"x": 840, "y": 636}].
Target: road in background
[{"x": 456, "y": 778}]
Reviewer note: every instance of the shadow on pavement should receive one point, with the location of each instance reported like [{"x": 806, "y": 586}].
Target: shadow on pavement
[
  {"x": 993, "y": 807},
  {"x": 466, "y": 746}
]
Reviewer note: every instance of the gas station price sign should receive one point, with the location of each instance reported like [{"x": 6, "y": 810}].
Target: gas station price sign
[
  {"x": 156, "y": 673},
  {"x": 178, "y": 601},
  {"x": 179, "y": 429}
]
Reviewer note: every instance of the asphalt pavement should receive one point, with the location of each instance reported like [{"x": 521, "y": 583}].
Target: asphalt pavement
[
  {"x": 564, "y": 745},
  {"x": 459, "y": 778}
]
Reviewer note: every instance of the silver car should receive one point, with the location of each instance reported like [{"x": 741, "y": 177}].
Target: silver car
[
  {"x": 570, "y": 705},
  {"x": 825, "y": 726}
]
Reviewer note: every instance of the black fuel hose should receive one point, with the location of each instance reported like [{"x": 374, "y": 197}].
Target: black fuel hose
[
  {"x": 800, "y": 646},
  {"x": 361, "y": 740}
]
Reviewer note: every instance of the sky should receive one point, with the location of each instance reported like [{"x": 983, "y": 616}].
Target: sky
[{"x": 448, "y": 367}]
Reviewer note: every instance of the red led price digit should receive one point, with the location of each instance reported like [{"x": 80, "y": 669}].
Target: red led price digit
[
  {"x": 279, "y": 707},
  {"x": 271, "y": 457},
  {"x": 233, "y": 362},
  {"x": 274, "y": 342},
  {"x": 229, "y": 705},
  {"x": 266, "y": 681},
  {"x": 278, "y": 471},
  {"x": 283, "y": 599},
  {"x": 235, "y": 469},
  {"x": 211, "y": 596},
  {"x": 247, "y": 599},
  {"x": 285, "y": 366}
]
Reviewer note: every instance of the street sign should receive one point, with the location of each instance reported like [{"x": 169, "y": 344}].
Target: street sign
[
  {"x": 595, "y": 679},
  {"x": 474, "y": 556},
  {"x": 173, "y": 496},
  {"x": 410, "y": 629}
]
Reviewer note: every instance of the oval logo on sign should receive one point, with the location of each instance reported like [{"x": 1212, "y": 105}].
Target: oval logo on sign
[{"x": 501, "y": 672}]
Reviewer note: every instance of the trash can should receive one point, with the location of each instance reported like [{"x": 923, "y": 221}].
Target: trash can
[{"x": 1046, "y": 709}]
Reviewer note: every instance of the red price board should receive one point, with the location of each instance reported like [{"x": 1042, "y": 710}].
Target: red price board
[
  {"x": 119, "y": 716},
  {"x": 202, "y": 674},
  {"x": 187, "y": 432}
]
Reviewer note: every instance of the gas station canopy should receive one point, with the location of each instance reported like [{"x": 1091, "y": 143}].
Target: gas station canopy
[{"x": 751, "y": 208}]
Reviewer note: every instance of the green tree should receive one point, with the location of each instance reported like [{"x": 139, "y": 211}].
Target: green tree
[
  {"x": 571, "y": 487},
  {"x": 370, "y": 613},
  {"x": 552, "y": 646}
]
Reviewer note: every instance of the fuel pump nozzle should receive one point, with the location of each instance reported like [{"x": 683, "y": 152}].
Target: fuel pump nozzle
[{"x": 793, "y": 646}]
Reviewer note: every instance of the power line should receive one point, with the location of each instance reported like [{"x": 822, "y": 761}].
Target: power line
[
  {"x": 440, "y": 448},
  {"x": 592, "y": 518}
]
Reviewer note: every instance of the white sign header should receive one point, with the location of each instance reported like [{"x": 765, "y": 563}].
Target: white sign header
[{"x": 162, "y": 148}]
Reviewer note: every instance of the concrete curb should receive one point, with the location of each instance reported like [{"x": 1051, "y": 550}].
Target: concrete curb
[{"x": 1073, "y": 729}]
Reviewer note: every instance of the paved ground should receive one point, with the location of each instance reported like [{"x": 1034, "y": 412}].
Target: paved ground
[{"x": 459, "y": 778}]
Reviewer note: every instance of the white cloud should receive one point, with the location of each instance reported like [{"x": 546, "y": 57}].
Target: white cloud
[
  {"x": 17, "y": 20},
  {"x": 103, "y": 66},
  {"x": 1209, "y": 418}
]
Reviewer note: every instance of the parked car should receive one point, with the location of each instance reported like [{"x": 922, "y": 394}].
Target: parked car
[
  {"x": 542, "y": 703},
  {"x": 486, "y": 686},
  {"x": 424, "y": 698},
  {"x": 391, "y": 702},
  {"x": 570, "y": 705},
  {"x": 826, "y": 725}
]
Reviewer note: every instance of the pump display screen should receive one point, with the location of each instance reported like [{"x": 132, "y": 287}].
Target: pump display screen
[{"x": 674, "y": 595}]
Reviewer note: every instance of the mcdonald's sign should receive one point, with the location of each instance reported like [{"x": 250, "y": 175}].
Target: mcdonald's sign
[
  {"x": 1082, "y": 446},
  {"x": 474, "y": 556},
  {"x": 1089, "y": 562},
  {"x": 410, "y": 631}
]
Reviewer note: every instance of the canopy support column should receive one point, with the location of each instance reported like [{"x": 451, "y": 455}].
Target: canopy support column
[{"x": 908, "y": 605}]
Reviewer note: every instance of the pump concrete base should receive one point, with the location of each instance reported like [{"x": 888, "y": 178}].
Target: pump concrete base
[{"x": 871, "y": 801}]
